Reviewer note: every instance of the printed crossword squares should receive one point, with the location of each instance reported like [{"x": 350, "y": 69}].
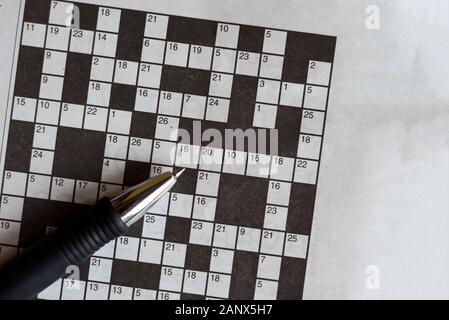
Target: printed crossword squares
[
  {"x": 306, "y": 171},
  {"x": 57, "y": 38},
  {"x": 113, "y": 171},
  {"x": 140, "y": 149},
  {"x": 126, "y": 72},
  {"x": 211, "y": 159},
  {"x": 291, "y": 94},
  {"x": 170, "y": 103},
  {"x": 48, "y": 112},
  {"x": 153, "y": 227},
  {"x": 272, "y": 242},
  {"x": 144, "y": 294},
  {"x": 150, "y": 251},
  {"x": 54, "y": 62},
  {"x": 102, "y": 69},
  {"x": 227, "y": 35},
  {"x": 72, "y": 115},
  {"x": 200, "y": 57},
  {"x": 105, "y": 44},
  {"x": 150, "y": 75},
  {"x": 116, "y": 146},
  {"x": 217, "y": 109},
  {"x": 275, "y": 217},
  {"x": 234, "y": 162},
  {"x": 312, "y": 122},
  {"x": 81, "y": 41},
  {"x": 153, "y": 50},
  {"x": 181, "y": 205},
  {"x": 174, "y": 254},
  {"x": 258, "y": 165},
  {"x": 99, "y": 93},
  {"x": 224, "y": 60},
  {"x": 38, "y": 186},
  {"x": 156, "y": 26},
  {"x": 41, "y": 161},
  {"x": 108, "y": 19},
  {"x": 207, "y": 183},
  {"x": 204, "y": 208},
  {"x": 271, "y": 66},
  {"x": 119, "y": 121},
  {"x": 11, "y": 208},
  {"x": 278, "y": 193},
  {"x": 268, "y": 91},
  {"x": 127, "y": 248},
  {"x": 309, "y": 147},
  {"x": 24, "y": 109},
  {"x": 60, "y": 13},
  {"x": 146, "y": 100},
  {"x": 221, "y": 260},
  {"x": 319, "y": 73},
  {"x": 120, "y": 293},
  {"x": 95, "y": 118},
  {"x": 315, "y": 98},
  {"x": 44, "y": 136},
  {"x": 266, "y": 290},
  {"x": 220, "y": 85},
  {"x": 274, "y": 41},
  {"x": 218, "y": 285},
  {"x": 62, "y": 189},
  {"x": 187, "y": 156},
  {"x": 225, "y": 236},
  {"x": 282, "y": 168},
  {"x": 201, "y": 233},
  {"x": 247, "y": 63},
  {"x": 14, "y": 183},
  {"x": 97, "y": 291},
  {"x": 167, "y": 128},
  {"x": 296, "y": 245},
  {"x": 34, "y": 34},
  {"x": 85, "y": 192},
  {"x": 193, "y": 106},
  {"x": 51, "y": 87},
  {"x": 171, "y": 279},
  {"x": 72, "y": 289},
  {"x": 265, "y": 115},
  {"x": 100, "y": 269},
  {"x": 9, "y": 232},
  {"x": 194, "y": 282},
  {"x": 269, "y": 267},
  {"x": 108, "y": 190},
  {"x": 248, "y": 239},
  {"x": 176, "y": 54}
]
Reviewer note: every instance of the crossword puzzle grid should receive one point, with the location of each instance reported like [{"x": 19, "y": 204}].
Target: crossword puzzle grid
[{"x": 98, "y": 108}]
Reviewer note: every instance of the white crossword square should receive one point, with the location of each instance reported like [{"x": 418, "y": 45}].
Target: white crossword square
[
  {"x": 275, "y": 217},
  {"x": 38, "y": 186},
  {"x": 119, "y": 121},
  {"x": 150, "y": 75},
  {"x": 211, "y": 159},
  {"x": 181, "y": 205},
  {"x": 207, "y": 183},
  {"x": 272, "y": 242},
  {"x": 204, "y": 208},
  {"x": 164, "y": 152},
  {"x": 221, "y": 260},
  {"x": 126, "y": 72},
  {"x": 187, "y": 156},
  {"x": 200, "y": 57},
  {"x": 146, "y": 100},
  {"x": 194, "y": 106},
  {"x": 291, "y": 94},
  {"x": 44, "y": 136},
  {"x": 14, "y": 183},
  {"x": 234, "y": 162},
  {"x": 102, "y": 69},
  {"x": 116, "y": 146},
  {"x": 85, "y": 192},
  {"x": 271, "y": 66},
  {"x": 109, "y": 190},
  {"x": 73, "y": 289},
  {"x": 170, "y": 103},
  {"x": 54, "y": 62},
  {"x": 120, "y": 293},
  {"x": 278, "y": 193},
  {"x": 174, "y": 254},
  {"x": 51, "y": 87},
  {"x": 266, "y": 290},
  {"x": 113, "y": 171},
  {"x": 95, "y": 118},
  {"x": 140, "y": 149},
  {"x": 220, "y": 85},
  {"x": 105, "y": 44},
  {"x": 82, "y": 41},
  {"x": 153, "y": 226},
  {"x": 247, "y": 63},
  {"x": 127, "y": 248},
  {"x": 150, "y": 251},
  {"x": 217, "y": 109},
  {"x": 41, "y": 161},
  {"x": 201, "y": 233},
  {"x": 33, "y": 34},
  {"x": 153, "y": 50},
  {"x": 319, "y": 73},
  {"x": 195, "y": 282},
  {"x": 268, "y": 91},
  {"x": 171, "y": 279},
  {"x": 108, "y": 19},
  {"x": 24, "y": 109},
  {"x": 227, "y": 35},
  {"x": 11, "y": 208},
  {"x": 248, "y": 239},
  {"x": 309, "y": 147},
  {"x": 306, "y": 171},
  {"x": 48, "y": 112},
  {"x": 99, "y": 94},
  {"x": 100, "y": 269},
  {"x": 59, "y": 13},
  {"x": 225, "y": 236},
  {"x": 156, "y": 26},
  {"x": 167, "y": 128},
  {"x": 62, "y": 189},
  {"x": 144, "y": 294},
  {"x": 312, "y": 122},
  {"x": 57, "y": 38},
  {"x": 274, "y": 41},
  {"x": 265, "y": 115},
  {"x": 52, "y": 292},
  {"x": 72, "y": 115},
  {"x": 296, "y": 245},
  {"x": 315, "y": 98},
  {"x": 9, "y": 232},
  {"x": 282, "y": 168},
  {"x": 258, "y": 165},
  {"x": 269, "y": 267},
  {"x": 176, "y": 54},
  {"x": 224, "y": 60},
  {"x": 218, "y": 285},
  {"x": 97, "y": 291}
]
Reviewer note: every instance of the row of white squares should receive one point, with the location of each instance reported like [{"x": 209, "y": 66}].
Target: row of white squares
[
  {"x": 156, "y": 27},
  {"x": 194, "y": 283}
]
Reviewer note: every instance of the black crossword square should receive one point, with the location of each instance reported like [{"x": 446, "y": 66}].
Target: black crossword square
[
  {"x": 244, "y": 273},
  {"x": 288, "y": 122},
  {"x": 130, "y": 36},
  {"x": 37, "y": 11},
  {"x": 29, "y": 72},
  {"x": 249, "y": 193},
  {"x": 187, "y": 184},
  {"x": 20, "y": 143},
  {"x": 198, "y": 257},
  {"x": 143, "y": 125},
  {"x": 251, "y": 39},
  {"x": 177, "y": 229},
  {"x": 135, "y": 274},
  {"x": 79, "y": 154},
  {"x": 241, "y": 110},
  {"x": 76, "y": 78},
  {"x": 123, "y": 97},
  {"x": 135, "y": 172},
  {"x": 302, "y": 203},
  {"x": 185, "y": 80},
  {"x": 193, "y": 31},
  {"x": 87, "y": 16},
  {"x": 291, "y": 279}
]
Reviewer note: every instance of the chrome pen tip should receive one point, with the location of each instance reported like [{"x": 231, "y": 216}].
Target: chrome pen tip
[{"x": 179, "y": 173}]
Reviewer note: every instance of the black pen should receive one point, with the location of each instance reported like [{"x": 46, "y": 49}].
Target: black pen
[{"x": 36, "y": 268}]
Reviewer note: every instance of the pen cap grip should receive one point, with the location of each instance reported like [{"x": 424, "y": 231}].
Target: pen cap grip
[{"x": 41, "y": 265}]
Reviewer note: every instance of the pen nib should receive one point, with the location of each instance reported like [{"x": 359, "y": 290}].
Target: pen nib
[{"x": 179, "y": 173}]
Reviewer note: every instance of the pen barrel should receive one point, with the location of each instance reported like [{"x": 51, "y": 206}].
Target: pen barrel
[{"x": 42, "y": 264}]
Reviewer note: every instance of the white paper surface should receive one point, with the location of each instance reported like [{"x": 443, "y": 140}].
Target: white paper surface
[{"x": 382, "y": 206}]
